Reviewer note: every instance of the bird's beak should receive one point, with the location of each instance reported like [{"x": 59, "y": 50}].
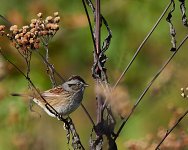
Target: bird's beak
[{"x": 86, "y": 85}]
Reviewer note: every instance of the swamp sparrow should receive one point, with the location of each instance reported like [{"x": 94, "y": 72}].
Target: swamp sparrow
[{"x": 64, "y": 98}]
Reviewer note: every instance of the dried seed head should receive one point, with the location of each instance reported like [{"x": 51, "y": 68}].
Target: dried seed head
[
  {"x": 25, "y": 27},
  {"x": 28, "y": 37},
  {"x": 21, "y": 34},
  {"x": 183, "y": 95},
  {"x": 15, "y": 31},
  {"x": 2, "y": 27},
  {"x": 36, "y": 33},
  {"x": 24, "y": 31},
  {"x": 32, "y": 25},
  {"x": 49, "y": 25},
  {"x": 49, "y": 18},
  {"x": 2, "y": 33},
  {"x": 36, "y": 45},
  {"x": 39, "y": 15},
  {"x": 31, "y": 41},
  {"x": 14, "y": 27},
  {"x": 57, "y": 19},
  {"x": 43, "y": 33},
  {"x": 33, "y": 21},
  {"x": 33, "y": 30},
  {"x": 42, "y": 26},
  {"x": 51, "y": 32},
  {"x": 55, "y": 27},
  {"x": 17, "y": 36},
  {"x": 56, "y": 14},
  {"x": 20, "y": 30}
]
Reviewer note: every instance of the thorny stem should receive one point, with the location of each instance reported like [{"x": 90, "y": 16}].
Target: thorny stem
[
  {"x": 171, "y": 129},
  {"x": 148, "y": 86},
  {"x": 141, "y": 45}
]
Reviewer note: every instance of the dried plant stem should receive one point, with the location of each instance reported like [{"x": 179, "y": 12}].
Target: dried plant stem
[
  {"x": 98, "y": 28},
  {"x": 76, "y": 142},
  {"x": 148, "y": 86},
  {"x": 97, "y": 52},
  {"x": 141, "y": 45},
  {"x": 9, "y": 24},
  {"x": 99, "y": 74},
  {"x": 171, "y": 129}
]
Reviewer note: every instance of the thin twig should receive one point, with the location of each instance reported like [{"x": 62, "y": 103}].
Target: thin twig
[
  {"x": 87, "y": 113},
  {"x": 76, "y": 142},
  {"x": 9, "y": 24},
  {"x": 89, "y": 21},
  {"x": 148, "y": 86},
  {"x": 142, "y": 44},
  {"x": 171, "y": 129},
  {"x": 51, "y": 67}
]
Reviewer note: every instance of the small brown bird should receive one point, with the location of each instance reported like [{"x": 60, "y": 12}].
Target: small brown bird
[{"x": 64, "y": 98}]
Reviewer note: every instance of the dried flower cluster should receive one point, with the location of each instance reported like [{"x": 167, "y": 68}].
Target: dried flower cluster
[
  {"x": 175, "y": 141},
  {"x": 2, "y": 28},
  {"x": 184, "y": 92},
  {"x": 178, "y": 141},
  {"x": 29, "y": 37}
]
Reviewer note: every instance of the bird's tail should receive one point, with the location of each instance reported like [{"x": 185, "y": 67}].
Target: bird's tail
[
  {"x": 30, "y": 103},
  {"x": 17, "y": 94},
  {"x": 21, "y": 95}
]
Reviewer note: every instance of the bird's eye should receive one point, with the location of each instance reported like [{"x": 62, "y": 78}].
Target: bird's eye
[{"x": 70, "y": 85}]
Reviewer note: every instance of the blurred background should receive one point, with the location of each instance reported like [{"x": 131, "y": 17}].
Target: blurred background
[{"x": 71, "y": 53}]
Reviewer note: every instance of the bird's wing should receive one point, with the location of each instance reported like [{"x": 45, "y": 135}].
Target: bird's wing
[{"x": 54, "y": 96}]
